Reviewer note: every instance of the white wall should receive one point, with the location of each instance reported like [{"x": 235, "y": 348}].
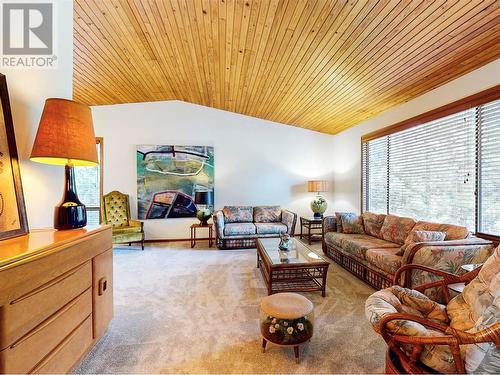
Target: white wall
[
  {"x": 28, "y": 89},
  {"x": 346, "y": 146},
  {"x": 256, "y": 161}
]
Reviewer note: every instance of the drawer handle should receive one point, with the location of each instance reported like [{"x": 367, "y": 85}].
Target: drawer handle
[{"x": 103, "y": 285}]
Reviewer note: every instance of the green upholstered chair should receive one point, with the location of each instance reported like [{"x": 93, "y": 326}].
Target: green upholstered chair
[{"x": 115, "y": 210}]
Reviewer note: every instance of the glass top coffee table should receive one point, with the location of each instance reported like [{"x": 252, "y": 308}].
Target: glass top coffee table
[{"x": 298, "y": 270}]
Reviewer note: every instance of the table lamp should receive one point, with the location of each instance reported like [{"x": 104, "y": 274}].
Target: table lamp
[
  {"x": 318, "y": 204},
  {"x": 66, "y": 137},
  {"x": 204, "y": 198}
]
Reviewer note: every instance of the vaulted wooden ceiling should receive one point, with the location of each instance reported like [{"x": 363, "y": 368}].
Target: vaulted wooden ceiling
[{"x": 320, "y": 64}]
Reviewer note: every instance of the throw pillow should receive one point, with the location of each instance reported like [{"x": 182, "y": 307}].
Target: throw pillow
[
  {"x": 373, "y": 223},
  {"x": 352, "y": 223},
  {"x": 338, "y": 222},
  {"x": 421, "y": 236}
]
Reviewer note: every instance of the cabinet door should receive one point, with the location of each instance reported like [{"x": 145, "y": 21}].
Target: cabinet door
[{"x": 102, "y": 292}]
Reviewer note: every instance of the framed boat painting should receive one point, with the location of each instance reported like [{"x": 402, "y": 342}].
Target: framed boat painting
[{"x": 13, "y": 220}]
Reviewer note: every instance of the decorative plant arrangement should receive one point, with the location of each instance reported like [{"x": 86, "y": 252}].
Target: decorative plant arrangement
[{"x": 286, "y": 331}]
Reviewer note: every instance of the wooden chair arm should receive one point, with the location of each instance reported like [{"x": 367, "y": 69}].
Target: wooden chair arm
[
  {"x": 448, "y": 278},
  {"x": 449, "y": 338}
]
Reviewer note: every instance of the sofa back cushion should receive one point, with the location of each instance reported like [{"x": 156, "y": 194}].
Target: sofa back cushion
[
  {"x": 373, "y": 223},
  {"x": 396, "y": 228},
  {"x": 453, "y": 232},
  {"x": 352, "y": 223},
  {"x": 418, "y": 236},
  {"x": 267, "y": 214},
  {"x": 238, "y": 214}
]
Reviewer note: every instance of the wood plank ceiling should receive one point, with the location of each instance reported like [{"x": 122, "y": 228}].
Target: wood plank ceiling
[{"x": 324, "y": 65}]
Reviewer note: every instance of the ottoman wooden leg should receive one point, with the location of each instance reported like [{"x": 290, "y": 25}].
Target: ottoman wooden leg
[
  {"x": 296, "y": 351},
  {"x": 264, "y": 343}
]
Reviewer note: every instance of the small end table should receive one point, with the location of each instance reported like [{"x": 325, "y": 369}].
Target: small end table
[
  {"x": 311, "y": 223},
  {"x": 194, "y": 227}
]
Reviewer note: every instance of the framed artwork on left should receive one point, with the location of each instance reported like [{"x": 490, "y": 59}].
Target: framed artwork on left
[{"x": 13, "y": 220}]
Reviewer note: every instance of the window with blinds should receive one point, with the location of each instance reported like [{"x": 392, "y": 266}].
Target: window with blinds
[
  {"x": 488, "y": 118},
  {"x": 432, "y": 171}
]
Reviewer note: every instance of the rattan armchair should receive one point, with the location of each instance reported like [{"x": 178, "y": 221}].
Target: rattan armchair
[{"x": 405, "y": 348}]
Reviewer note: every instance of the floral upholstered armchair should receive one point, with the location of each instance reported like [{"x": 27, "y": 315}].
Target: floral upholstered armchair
[
  {"x": 424, "y": 336},
  {"x": 115, "y": 210}
]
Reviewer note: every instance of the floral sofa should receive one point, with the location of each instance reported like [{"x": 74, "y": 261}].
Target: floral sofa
[
  {"x": 238, "y": 227},
  {"x": 374, "y": 247}
]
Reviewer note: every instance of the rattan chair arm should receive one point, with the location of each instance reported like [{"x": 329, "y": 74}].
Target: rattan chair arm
[
  {"x": 450, "y": 243},
  {"x": 448, "y": 338},
  {"x": 448, "y": 278}
]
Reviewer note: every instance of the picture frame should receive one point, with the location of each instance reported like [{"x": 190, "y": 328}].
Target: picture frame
[{"x": 13, "y": 221}]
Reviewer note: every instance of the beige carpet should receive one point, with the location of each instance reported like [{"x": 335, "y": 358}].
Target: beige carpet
[{"x": 183, "y": 310}]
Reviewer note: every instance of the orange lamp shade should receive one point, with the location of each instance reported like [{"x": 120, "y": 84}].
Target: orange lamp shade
[
  {"x": 65, "y": 135},
  {"x": 317, "y": 186}
]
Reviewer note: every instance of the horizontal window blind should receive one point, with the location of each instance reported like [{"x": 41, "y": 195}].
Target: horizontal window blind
[
  {"x": 432, "y": 171},
  {"x": 446, "y": 170},
  {"x": 488, "y": 116}
]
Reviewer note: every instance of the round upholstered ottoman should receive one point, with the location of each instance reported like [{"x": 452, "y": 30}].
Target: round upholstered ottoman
[{"x": 286, "y": 319}]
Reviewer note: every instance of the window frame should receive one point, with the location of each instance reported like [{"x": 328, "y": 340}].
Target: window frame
[
  {"x": 469, "y": 102},
  {"x": 99, "y": 141}
]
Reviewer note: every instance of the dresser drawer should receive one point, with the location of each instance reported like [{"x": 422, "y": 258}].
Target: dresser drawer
[
  {"x": 24, "y": 354},
  {"x": 29, "y": 310},
  {"x": 63, "y": 358}
]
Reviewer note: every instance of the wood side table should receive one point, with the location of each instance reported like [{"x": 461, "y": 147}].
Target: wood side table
[
  {"x": 194, "y": 227},
  {"x": 310, "y": 224}
]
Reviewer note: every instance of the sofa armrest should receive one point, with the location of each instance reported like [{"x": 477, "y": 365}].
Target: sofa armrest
[
  {"x": 329, "y": 224},
  {"x": 290, "y": 220},
  {"x": 218, "y": 219},
  {"x": 447, "y": 256}
]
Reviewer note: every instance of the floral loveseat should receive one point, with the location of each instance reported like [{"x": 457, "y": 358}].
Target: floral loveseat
[
  {"x": 374, "y": 247},
  {"x": 238, "y": 227}
]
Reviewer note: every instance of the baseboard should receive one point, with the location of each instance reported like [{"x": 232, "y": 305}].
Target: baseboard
[{"x": 177, "y": 239}]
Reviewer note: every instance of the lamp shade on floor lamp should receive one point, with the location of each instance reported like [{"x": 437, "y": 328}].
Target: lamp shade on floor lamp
[{"x": 66, "y": 137}]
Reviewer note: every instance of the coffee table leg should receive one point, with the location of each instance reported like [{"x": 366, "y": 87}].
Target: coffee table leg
[
  {"x": 296, "y": 352},
  {"x": 323, "y": 292}
]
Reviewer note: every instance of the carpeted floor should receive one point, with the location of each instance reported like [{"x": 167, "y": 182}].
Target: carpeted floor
[{"x": 183, "y": 310}]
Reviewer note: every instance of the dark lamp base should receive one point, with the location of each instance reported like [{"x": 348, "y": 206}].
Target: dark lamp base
[
  {"x": 317, "y": 215},
  {"x": 70, "y": 213},
  {"x": 70, "y": 216}
]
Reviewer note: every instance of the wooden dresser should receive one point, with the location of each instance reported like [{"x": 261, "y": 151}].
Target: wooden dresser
[{"x": 56, "y": 298}]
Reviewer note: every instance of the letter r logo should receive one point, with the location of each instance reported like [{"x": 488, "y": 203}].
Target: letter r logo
[{"x": 27, "y": 29}]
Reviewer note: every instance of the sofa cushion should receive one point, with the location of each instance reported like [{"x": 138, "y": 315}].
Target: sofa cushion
[
  {"x": 396, "y": 228},
  {"x": 237, "y": 229},
  {"x": 453, "y": 232},
  {"x": 267, "y": 214},
  {"x": 352, "y": 223},
  {"x": 418, "y": 236},
  {"x": 373, "y": 223},
  {"x": 271, "y": 228},
  {"x": 356, "y": 244},
  {"x": 385, "y": 259},
  {"x": 238, "y": 214}
]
